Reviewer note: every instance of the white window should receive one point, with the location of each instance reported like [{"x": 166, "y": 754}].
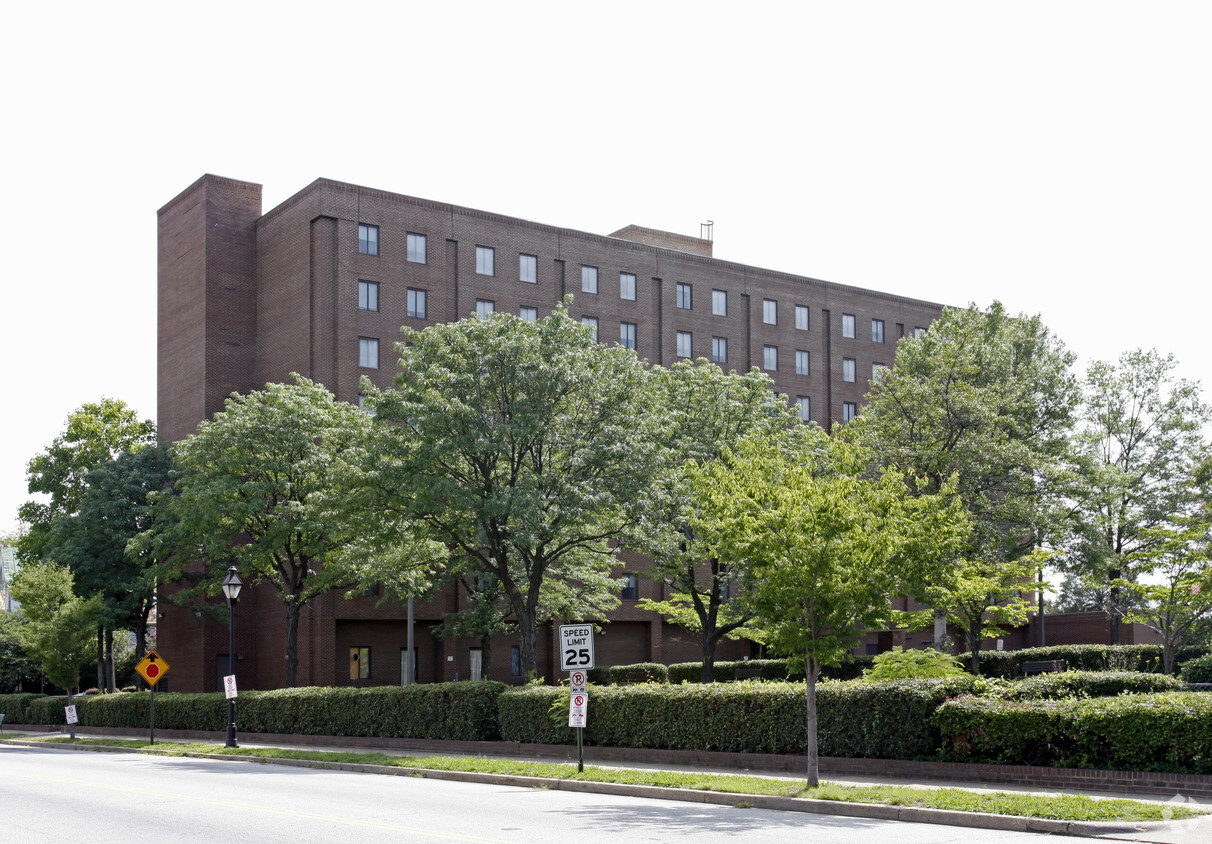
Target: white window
[
  {"x": 592, "y": 324},
  {"x": 770, "y": 358},
  {"x": 589, "y": 279},
  {"x": 684, "y": 344},
  {"x": 801, "y": 317},
  {"x": 486, "y": 260},
  {"x": 627, "y": 286},
  {"x": 416, "y": 248},
  {"x": 770, "y": 312},
  {"x": 528, "y": 268},
  {"x": 719, "y": 302},
  {"x": 848, "y": 369},
  {"x": 484, "y": 307},
  {"x": 529, "y": 314},
  {"x": 417, "y": 303},
  {"x": 918, "y": 332},
  {"x": 627, "y": 335},
  {"x": 684, "y": 292},
  {"x": 368, "y": 352},
  {"x": 719, "y": 349},
  {"x": 877, "y": 331},
  {"x": 368, "y": 295},
  {"x": 879, "y": 371},
  {"x": 849, "y": 411},
  {"x": 368, "y": 239},
  {"x": 805, "y": 408},
  {"x": 803, "y": 362},
  {"x": 848, "y": 325}
]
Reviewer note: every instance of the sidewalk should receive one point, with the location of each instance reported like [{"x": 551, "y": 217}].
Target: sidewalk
[{"x": 1194, "y": 831}]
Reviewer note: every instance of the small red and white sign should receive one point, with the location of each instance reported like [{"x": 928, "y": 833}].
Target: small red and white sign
[
  {"x": 577, "y": 703},
  {"x": 229, "y": 686},
  {"x": 71, "y": 714},
  {"x": 577, "y": 680}
]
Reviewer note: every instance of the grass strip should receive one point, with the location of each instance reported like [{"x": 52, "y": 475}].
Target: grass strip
[{"x": 1067, "y": 807}]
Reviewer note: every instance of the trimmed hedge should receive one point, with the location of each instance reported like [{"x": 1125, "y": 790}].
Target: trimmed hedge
[
  {"x": 1160, "y": 732},
  {"x": 1198, "y": 670},
  {"x": 16, "y": 707},
  {"x": 1144, "y": 658},
  {"x": 1087, "y": 684},
  {"x": 771, "y": 669},
  {"x": 639, "y": 672}
]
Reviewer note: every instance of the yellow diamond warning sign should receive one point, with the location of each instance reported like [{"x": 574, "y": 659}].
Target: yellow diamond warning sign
[{"x": 152, "y": 668}]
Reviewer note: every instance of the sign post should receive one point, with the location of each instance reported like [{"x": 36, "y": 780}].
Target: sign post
[
  {"x": 576, "y": 657},
  {"x": 151, "y": 668}
]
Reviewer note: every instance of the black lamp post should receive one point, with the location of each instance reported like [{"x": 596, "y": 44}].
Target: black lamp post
[{"x": 231, "y": 588}]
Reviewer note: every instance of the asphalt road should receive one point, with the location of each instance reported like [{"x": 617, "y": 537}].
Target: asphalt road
[{"x": 60, "y": 795}]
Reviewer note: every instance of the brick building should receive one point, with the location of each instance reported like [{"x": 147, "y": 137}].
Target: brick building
[{"x": 321, "y": 284}]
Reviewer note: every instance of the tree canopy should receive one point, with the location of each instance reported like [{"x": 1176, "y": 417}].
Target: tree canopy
[{"x": 526, "y": 450}]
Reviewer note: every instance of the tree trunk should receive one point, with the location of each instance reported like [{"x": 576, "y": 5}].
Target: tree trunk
[
  {"x": 292, "y": 645},
  {"x": 974, "y": 645},
  {"x": 811, "y": 669},
  {"x": 940, "y": 630},
  {"x": 109, "y": 661},
  {"x": 1113, "y": 605},
  {"x": 707, "y": 675},
  {"x": 101, "y": 673},
  {"x": 526, "y": 643}
]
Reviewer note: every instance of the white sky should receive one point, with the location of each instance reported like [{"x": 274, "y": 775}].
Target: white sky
[{"x": 1054, "y": 155}]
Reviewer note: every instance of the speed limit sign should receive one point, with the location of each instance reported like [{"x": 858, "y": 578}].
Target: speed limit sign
[{"x": 576, "y": 647}]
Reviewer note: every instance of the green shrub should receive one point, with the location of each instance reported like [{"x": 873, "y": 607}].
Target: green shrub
[
  {"x": 1156, "y": 732},
  {"x": 523, "y": 714},
  {"x": 1144, "y": 658},
  {"x": 771, "y": 669},
  {"x": 640, "y": 672},
  {"x": 1087, "y": 684},
  {"x": 899, "y": 664},
  {"x": 1198, "y": 670},
  {"x": 16, "y": 707}
]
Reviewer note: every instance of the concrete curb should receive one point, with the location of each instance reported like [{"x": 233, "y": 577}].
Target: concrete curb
[{"x": 874, "y": 811}]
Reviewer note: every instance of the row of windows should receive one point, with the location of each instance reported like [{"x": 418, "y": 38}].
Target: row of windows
[
  {"x": 368, "y": 299},
  {"x": 417, "y": 252}
]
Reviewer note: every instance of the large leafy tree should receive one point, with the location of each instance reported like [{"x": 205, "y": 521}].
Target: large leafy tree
[
  {"x": 255, "y": 487},
  {"x": 95, "y": 434},
  {"x": 1141, "y": 449},
  {"x": 93, "y": 542},
  {"x": 524, "y": 448},
  {"x": 824, "y": 542},
  {"x": 707, "y": 411},
  {"x": 986, "y": 399}
]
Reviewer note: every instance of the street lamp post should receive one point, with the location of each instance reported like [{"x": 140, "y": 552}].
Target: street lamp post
[{"x": 231, "y": 588}]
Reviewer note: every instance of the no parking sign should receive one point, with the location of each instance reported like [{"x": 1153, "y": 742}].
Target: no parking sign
[{"x": 577, "y": 704}]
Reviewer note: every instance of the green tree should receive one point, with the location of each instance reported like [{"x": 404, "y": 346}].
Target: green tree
[
  {"x": 256, "y": 488},
  {"x": 824, "y": 543},
  {"x": 18, "y": 670},
  {"x": 986, "y": 399},
  {"x": 96, "y": 433},
  {"x": 56, "y": 627},
  {"x": 707, "y": 411},
  {"x": 1141, "y": 451},
  {"x": 1175, "y": 599},
  {"x": 93, "y": 543},
  {"x": 525, "y": 447}
]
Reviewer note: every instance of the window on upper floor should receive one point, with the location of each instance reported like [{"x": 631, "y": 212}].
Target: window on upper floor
[
  {"x": 529, "y": 314},
  {"x": 803, "y": 362},
  {"x": 368, "y": 352},
  {"x": 684, "y": 296},
  {"x": 849, "y": 411},
  {"x": 770, "y": 358},
  {"x": 879, "y": 372},
  {"x": 770, "y": 312},
  {"x": 848, "y": 369},
  {"x": 804, "y": 405},
  {"x": 368, "y": 295},
  {"x": 631, "y": 587},
  {"x": 918, "y": 331},
  {"x": 486, "y": 260},
  {"x": 589, "y": 279},
  {"x": 719, "y": 349},
  {"x": 368, "y": 239},
  {"x": 627, "y": 335},
  {"x": 416, "y": 248},
  {"x": 877, "y": 331},
  {"x": 528, "y": 269},
  {"x": 684, "y": 344},
  {"x": 592, "y": 324},
  {"x": 627, "y": 286},
  {"x": 485, "y": 307},
  {"x": 848, "y": 325},
  {"x": 417, "y": 303},
  {"x": 719, "y": 302},
  {"x": 801, "y": 317}
]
